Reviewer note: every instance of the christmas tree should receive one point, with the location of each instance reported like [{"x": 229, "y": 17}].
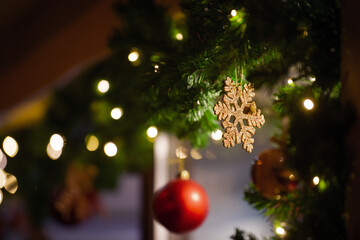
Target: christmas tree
[{"x": 168, "y": 69}]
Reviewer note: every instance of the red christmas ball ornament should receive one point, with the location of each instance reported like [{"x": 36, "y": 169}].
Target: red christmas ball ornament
[
  {"x": 271, "y": 178},
  {"x": 181, "y": 206}
]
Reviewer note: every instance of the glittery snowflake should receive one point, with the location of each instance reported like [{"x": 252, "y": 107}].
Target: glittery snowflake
[{"x": 239, "y": 114}]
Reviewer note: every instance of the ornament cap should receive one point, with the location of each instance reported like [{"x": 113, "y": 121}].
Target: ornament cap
[{"x": 184, "y": 175}]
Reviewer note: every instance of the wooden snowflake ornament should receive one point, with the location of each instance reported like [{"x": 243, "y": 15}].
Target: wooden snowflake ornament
[{"x": 239, "y": 114}]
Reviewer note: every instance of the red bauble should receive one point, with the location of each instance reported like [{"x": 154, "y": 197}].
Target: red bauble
[
  {"x": 270, "y": 176},
  {"x": 181, "y": 206}
]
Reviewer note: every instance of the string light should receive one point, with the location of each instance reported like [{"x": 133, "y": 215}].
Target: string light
[
  {"x": 195, "y": 154},
  {"x": 3, "y": 160},
  {"x": 56, "y": 142},
  {"x": 103, "y": 86},
  {"x": 233, "y": 13},
  {"x": 308, "y": 104},
  {"x": 180, "y": 152},
  {"x": 316, "y": 180},
  {"x": 52, "y": 153},
  {"x": 179, "y": 36},
  {"x": 280, "y": 231},
  {"x": 10, "y": 146},
  {"x": 216, "y": 135},
  {"x": 156, "y": 68},
  {"x": 116, "y": 113},
  {"x": 110, "y": 149},
  {"x": 312, "y": 79},
  {"x": 92, "y": 143},
  {"x": 152, "y": 132},
  {"x": 290, "y": 81},
  {"x": 2, "y": 178},
  {"x": 133, "y": 56}
]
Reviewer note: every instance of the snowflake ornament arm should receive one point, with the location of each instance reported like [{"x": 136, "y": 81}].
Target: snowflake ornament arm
[{"x": 237, "y": 118}]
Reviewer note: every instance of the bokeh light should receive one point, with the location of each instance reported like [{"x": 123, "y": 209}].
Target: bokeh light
[
  {"x": 216, "y": 135},
  {"x": 152, "y": 132},
  {"x": 280, "y": 231},
  {"x": 290, "y": 81},
  {"x": 52, "y": 153},
  {"x": 103, "y": 86},
  {"x": 3, "y": 160},
  {"x": 308, "y": 104},
  {"x": 56, "y": 142},
  {"x": 110, "y": 149},
  {"x": 179, "y": 36},
  {"x": 116, "y": 113},
  {"x": 133, "y": 56},
  {"x": 2, "y": 178},
  {"x": 316, "y": 180},
  {"x": 233, "y": 13},
  {"x": 92, "y": 143},
  {"x": 195, "y": 154},
  {"x": 10, "y": 146}
]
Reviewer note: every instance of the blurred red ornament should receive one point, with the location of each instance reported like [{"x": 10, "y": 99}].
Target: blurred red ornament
[
  {"x": 181, "y": 206},
  {"x": 270, "y": 176}
]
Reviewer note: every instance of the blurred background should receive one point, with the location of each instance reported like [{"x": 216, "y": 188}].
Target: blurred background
[{"x": 44, "y": 46}]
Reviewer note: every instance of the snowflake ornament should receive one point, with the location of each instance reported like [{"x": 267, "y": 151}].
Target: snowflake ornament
[{"x": 239, "y": 114}]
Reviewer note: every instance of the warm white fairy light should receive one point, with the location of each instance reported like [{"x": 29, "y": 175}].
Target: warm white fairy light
[
  {"x": 152, "y": 132},
  {"x": 280, "y": 231},
  {"x": 56, "y": 142},
  {"x": 312, "y": 79},
  {"x": 3, "y": 160},
  {"x": 156, "y": 68},
  {"x": 216, "y": 135},
  {"x": 290, "y": 81},
  {"x": 2, "y": 178},
  {"x": 110, "y": 149},
  {"x": 233, "y": 13},
  {"x": 133, "y": 56},
  {"x": 179, "y": 36},
  {"x": 103, "y": 86},
  {"x": 195, "y": 154},
  {"x": 92, "y": 143},
  {"x": 316, "y": 180},
  {"x": 308, "y": 104},
  {"x": 116, "y": 113},
  {"x": 10, "y": 146},
  {"x": 52, "y": 153}
]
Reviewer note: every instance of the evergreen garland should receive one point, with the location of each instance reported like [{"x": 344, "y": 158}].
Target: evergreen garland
[{"x": 265, "y": 39}]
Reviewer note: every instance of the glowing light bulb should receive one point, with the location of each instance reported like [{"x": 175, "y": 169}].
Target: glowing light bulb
[
  {"x": 10, "y": 146},
  {"x": 103, "y": 86},
  {"x": 116, "y": 113},
  {"x": 2, "y": 178},
  {"x": 216, "y": 135},
  {"x": 195, "y": 154},
  {"x": 133, "y": 56},
  {"x": 56, "y": 142},
  {"x": 110, "y": 149},
  {"x": 156, "y": 68},
  {"x": 152, "y": 132},
  {"x": 92, "y": 143},
  {"x": 233, "y": 13},
  {"x": 316, "y": 180},
  {"x": 52, "y": 153},
  {"x": 308, "y": 104},
  {"x": 280, "y": 231},
  {"x": 312, "y": 79},
  {"x": 3, "y": 160},
  {"x": 290, "y": 81},
  {"x": 179, "y": 36}
]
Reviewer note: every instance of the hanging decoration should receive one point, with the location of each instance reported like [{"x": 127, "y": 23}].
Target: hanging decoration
[
  {"x": 271, "y": 178},
  {"x": 239, "y": 114},
  {"x": 182, "y": 205},
  {"x": 77, "y": 200}
]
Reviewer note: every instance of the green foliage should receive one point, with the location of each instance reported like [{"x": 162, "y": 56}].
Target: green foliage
[{"x": 263, "y": 40}]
